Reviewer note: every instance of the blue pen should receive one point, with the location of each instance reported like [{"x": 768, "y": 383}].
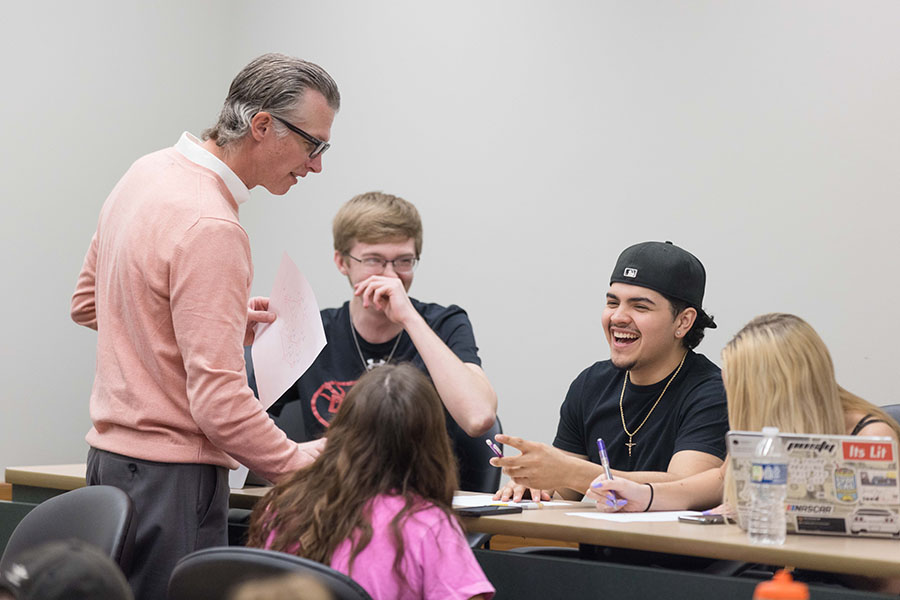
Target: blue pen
[{"x": 604, "y": 457}]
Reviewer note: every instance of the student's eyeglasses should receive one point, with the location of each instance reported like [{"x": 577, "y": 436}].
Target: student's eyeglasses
[
  {"x": 319, "y": 145},
  {"x": 404, "y": 264}
]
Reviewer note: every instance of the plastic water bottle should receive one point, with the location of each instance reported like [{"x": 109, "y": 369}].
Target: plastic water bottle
[{"x": 768, "y": 478}]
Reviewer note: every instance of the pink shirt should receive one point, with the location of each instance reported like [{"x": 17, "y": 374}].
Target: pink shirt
[
  {"x": 165, "y": 283},
  {"x": 437, "y": 563}
]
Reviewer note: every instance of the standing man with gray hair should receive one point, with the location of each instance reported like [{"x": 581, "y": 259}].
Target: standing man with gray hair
[{"x": 166, "y": 284}]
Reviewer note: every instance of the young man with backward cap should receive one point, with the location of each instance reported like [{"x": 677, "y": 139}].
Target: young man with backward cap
[{"x": 658, "y": 406}]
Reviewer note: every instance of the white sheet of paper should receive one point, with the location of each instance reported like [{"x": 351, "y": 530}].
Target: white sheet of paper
[
  {"x": 238, "y": 477},
  {"x": 470, "y": 500},
  {"x": 632, "y": 517},
  {"x": 282, "y": 351}
]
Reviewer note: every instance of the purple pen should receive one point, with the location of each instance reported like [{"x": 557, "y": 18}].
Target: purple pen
[
  {"x": 494, "y": 448},
  {"x": 604, "y": 457},
  {"x": 612, "y": 502}
]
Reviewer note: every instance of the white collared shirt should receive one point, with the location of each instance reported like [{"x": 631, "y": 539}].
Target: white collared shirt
[{"x": 190, "y": 147}]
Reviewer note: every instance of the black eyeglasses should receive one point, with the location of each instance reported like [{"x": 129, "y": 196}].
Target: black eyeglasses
[
  {"x": 404, "y": 264},
  {"x": 320, "y": 146}
]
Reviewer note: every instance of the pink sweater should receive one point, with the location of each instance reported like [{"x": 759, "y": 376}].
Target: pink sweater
[{"x": 165, "y": 283}]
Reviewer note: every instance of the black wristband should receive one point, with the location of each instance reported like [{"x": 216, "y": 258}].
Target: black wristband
[{"x": 649, "y": 504}]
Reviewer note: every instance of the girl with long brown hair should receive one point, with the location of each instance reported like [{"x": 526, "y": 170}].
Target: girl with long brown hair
[{"x": 376, "y": 504}]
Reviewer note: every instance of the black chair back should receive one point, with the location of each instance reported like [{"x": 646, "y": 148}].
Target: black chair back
[
  {"x": 291, "y": 421},
  {"x": 100, "y": 515},
  {"x": 475, "y": 472},
  {"x": 893, "y": 410},
  {"x": 251, "y": 373},
  {"x": 213, "y": 573}
]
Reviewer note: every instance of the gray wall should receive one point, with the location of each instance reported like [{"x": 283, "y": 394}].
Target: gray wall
[{"x": 538, "y": 139}]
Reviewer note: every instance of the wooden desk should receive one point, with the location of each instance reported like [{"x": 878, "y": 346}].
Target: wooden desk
[
  {"x": 860, "y": 556},
  {"x": 36, "y": 484},
  {"x": 516, "y": 575}
]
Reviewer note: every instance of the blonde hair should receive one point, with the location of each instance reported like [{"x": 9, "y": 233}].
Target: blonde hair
[
  {"x": 778, "y": 373},
  {"x": 376, "y": 217}
]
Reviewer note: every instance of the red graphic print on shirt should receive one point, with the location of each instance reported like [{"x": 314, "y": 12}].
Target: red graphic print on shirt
[{"x": 328, "y": 398}]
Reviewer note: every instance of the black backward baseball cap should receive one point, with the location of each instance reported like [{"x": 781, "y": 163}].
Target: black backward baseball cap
[{"x": 667, "y": 269}]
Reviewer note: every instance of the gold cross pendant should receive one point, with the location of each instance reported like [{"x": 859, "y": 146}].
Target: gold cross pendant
[{"x": 629, "y": 444}]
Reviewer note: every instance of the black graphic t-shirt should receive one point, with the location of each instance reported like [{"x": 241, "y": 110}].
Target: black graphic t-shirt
[
  {"x": 692, "y": 415},
  {"x": 322, "y": 389}
]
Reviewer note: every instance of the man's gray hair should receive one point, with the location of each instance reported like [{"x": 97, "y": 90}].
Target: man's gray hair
[{"x": 274, "y": 83}]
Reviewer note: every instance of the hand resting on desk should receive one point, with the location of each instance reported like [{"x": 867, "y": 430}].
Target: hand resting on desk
[{"x": 515, "y": 493}]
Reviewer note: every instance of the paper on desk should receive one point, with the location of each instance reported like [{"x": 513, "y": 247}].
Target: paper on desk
[
  {"x": 639, "y": 517},
  {"x": 470, "y": 500},
  {"x": 282, "y": 351}
]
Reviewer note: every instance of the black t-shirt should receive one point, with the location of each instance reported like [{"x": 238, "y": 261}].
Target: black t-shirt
[
  {"x": 692, "y": 415},
  {"x": 323, "y": 387}
]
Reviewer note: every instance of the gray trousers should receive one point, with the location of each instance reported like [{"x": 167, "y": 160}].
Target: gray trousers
[{"x": 179, "y": 508}]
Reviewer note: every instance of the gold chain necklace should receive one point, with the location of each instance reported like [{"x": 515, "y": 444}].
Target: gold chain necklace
[{"x": 631, "y": 434}]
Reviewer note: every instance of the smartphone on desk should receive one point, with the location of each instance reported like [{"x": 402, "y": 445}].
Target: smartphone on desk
[
  {"x": 487, "y": 511},
  {"x": 703, "y": 519}
]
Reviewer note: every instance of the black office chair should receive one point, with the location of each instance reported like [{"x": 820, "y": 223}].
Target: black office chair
[
  {"x": 251, "y": 374},
  {"x": 212, "y": 573},
  {"x": 476, "y": 474},
  {"x": 100, "y": 515}
]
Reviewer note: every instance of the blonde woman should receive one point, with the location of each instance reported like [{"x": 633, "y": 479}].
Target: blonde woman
[{"x": 777, "y": 373}]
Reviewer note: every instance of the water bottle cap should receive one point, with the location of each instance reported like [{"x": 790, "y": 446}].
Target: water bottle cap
[
  {"x": 781, "y": 587},
  {"x": 770, "y": 431}
]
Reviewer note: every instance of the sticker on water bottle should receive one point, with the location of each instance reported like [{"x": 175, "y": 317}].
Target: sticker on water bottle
[{"x": 768, "y": 474}]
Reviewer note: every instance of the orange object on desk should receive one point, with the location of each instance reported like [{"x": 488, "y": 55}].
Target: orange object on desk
[{"x": 781, "y": 587}]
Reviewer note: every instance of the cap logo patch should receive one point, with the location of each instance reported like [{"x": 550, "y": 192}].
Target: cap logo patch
[{"x": 630, "y": 272}]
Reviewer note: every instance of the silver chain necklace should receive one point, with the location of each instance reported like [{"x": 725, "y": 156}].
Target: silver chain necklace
[{"x": 371, "y": 364}]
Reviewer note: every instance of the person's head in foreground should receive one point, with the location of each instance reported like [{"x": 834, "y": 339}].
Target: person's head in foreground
[
  {"x": 388, "y": 438},
  {"x": 654, "y": 311},
  {"x": 67, "y": 570},
  {"x": 283, "y": 587}
]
